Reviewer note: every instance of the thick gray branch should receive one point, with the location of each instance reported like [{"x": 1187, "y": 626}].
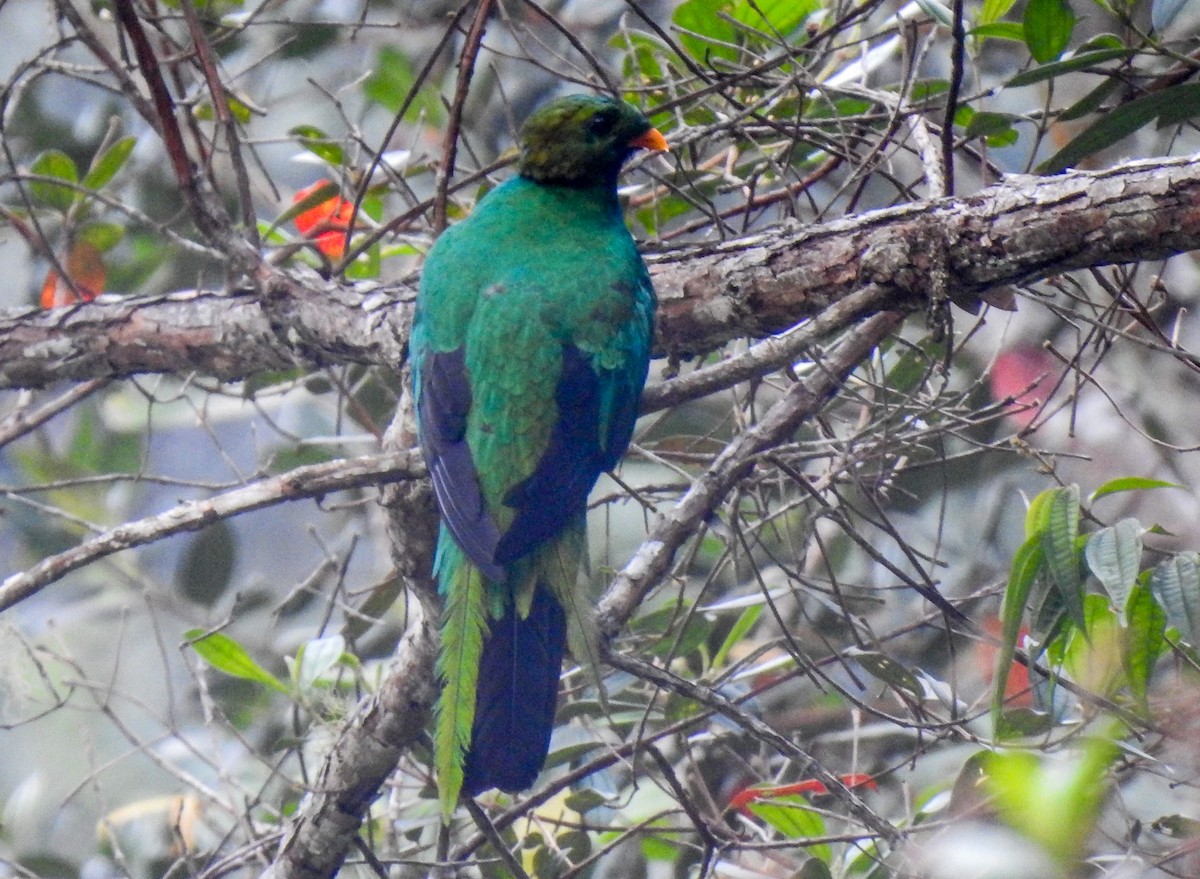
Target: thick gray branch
[{"x": 1020, "y": 230}]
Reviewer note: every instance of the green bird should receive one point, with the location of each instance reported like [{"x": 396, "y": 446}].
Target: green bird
[{"x": 530, "y": 348}]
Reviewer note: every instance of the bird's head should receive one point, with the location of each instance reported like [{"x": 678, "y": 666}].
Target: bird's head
[{"x": 582, "y": 140}]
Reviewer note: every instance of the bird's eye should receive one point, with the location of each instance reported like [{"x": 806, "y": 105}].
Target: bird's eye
[{"x": 601, "y": 125}]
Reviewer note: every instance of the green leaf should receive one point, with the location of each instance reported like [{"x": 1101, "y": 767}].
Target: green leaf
[
  {"x": 315, "y": 658},
  {"x": 585, "y": 799},
  {"x": 226, "y": 655},
  {"x": 574, "y": 845},
  {"x": 657, "y": 848},
  {"x": 993, "y": 11},
  {"x": 106, "y": 165},
  {"x": 1128, "y": 483},
  {"x": 206, "y": 568},
  {"x": 813, "y": 868},
  {"x": 912, "y": 368},
  {"x": 319, "y": 144},
  {"x": 1182, "y": 101},
  {"x": 926, "y": 90},
  {"x": 366, "y": 265},
  {"x": 238, "y": 109},
  {"x": 1145, "y": 639},
  {"x": 1175, "y": 582},
  {"x": 1077, "y": 61},
  {"x": 1093, "y": 653},
  {"x": 794, "y": 819},
  {"x": 1027, "y": 722},
  {"x": 1000, "y": 30},
  {"x": 1037, "y": 517},
  {"x": 745, "y": 622},
  {"x": 705, "y": 30},
  {"x": 1053, "y": 801},
  {"x": 382, "y": 597},
  {"x": 1102, "y": 41},
  {"x": 774, "y": 16},
  {"x": 1048, "y": 27},
  {"x": 1092, "y": 101},
  {"x": 1026, "y": 563},
  {"x": 1114, "y": 554},
  {"x": 683, "y": 642},
  {"x": 1046, "y": 612},
  {"x": 1062, "y": 556},
  {"x": 987, "y": 124},
  {"x": 547, "y": 861},
  {"x": 56, "y": 164},
  {"x": 102, "y": 236},
  {"x": 643, "y": 55},
  {"x": 886, "y": 669},
  {"x": 391, "y": 82}
]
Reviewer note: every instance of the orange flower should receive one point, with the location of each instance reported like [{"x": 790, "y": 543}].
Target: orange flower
[
  {"x": 1018, "y": 693},
  {"x": 85, "y": 267},
  {"x": 327, "y": 222},
  {"x": 743, "y": 798}
]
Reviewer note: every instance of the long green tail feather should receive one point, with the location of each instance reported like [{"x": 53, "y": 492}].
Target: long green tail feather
[
  {"x": 561, "y": 564},
  {"x": 464, "y": 626}
]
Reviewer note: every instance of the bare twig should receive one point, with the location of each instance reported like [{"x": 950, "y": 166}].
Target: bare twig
[
  {"x": 304, "y": 482},
  {"x": 466, "y": 71},
  {"x": 168, "y": 124},
  {"x": 807, "y": 764},
  {"x": 419, "y": 82},
  {"x": 803, "y": 400},
  {"x": 23, "y": 420},
  {"x": 228, "y": 125}
]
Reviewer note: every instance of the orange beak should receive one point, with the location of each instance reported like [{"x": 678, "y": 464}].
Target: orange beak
[{"x": 651, "y": 140}]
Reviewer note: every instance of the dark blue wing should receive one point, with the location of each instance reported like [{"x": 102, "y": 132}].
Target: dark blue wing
[
  {"x": 596, "y": 416},
  {"x": 442, "y": 406},
  {"x": 557, "y": 490}
]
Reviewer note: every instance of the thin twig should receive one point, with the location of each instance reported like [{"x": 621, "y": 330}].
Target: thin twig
[
  {"x": 802, "y": 401},
  {"x": 808, "y": 764},
  {"x": 466, "y": 71},
  {"x": 168, "y": 124},
  {"x": 365, "y": 184},
  {"x": 314, "y": 480},
  {"x": 21, "y": 422},
  {"x": 228, "y": 125},
  {"x": 958, "y": 48},
  {"x": 488, "y": 830}
]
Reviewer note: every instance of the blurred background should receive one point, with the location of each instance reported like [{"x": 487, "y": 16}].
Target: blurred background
[{"x": 131, "y": 750}]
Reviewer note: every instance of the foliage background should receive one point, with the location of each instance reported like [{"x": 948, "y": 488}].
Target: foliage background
[{"x": 136, "y": 749}]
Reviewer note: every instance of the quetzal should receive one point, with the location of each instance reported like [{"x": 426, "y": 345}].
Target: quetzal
[{"x": 530, "y": 348}]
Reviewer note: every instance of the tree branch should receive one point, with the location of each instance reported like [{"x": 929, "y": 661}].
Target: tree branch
[
  {"x": 313, "y": 480},
  {"x": 358, "y": 761},
  {"x": 1024, "y": 229},
  {"x": 1021, "y": 230}
]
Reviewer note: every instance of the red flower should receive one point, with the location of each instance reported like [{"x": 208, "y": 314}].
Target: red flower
[
  {"x": 743, "y": 798},
  {"x": 85, "y": 267},
  {"x": 326, "y": 222}
]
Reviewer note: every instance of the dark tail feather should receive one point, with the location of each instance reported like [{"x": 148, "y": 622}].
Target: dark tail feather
[{"x": 514, "y": 706}]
